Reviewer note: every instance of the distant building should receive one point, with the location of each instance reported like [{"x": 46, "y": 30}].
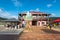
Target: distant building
[
  {"x": 12, "y": 21},
  {"x": 35, "y": 18}
]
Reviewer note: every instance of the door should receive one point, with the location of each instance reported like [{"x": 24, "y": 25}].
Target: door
[{"x": 34, "y": 22}]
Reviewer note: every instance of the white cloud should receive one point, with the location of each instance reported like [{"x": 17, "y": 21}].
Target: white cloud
[
  {"x": 49, "y": 5},
  {"x": 15, "y": 17},
  {"x": 6, "y": 14},
  {"x": 31, "y": 10},
  {"x": 53, "y": 15},
  {"x": 17, "y": 3},
  {"x": 0, "y": 10},
  {"x": 37, "y": 9}
]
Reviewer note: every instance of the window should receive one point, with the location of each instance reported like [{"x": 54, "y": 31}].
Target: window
[{"x": 43, "y": 22}]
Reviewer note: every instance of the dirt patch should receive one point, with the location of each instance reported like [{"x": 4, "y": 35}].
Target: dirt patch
[{"x": 40, "y": 33}]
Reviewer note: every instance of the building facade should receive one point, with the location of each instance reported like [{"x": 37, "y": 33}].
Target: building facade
[{"x": 35, "y": 18}]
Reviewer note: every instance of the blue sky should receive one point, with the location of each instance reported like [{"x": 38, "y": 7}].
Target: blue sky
[{"x": 11, "y": 8}]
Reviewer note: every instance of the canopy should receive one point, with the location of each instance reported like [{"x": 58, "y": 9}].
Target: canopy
[{"x": 57, "y": 20}]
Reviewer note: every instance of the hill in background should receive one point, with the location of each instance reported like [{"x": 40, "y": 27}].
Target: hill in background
[{"x": 1, "y": 18}]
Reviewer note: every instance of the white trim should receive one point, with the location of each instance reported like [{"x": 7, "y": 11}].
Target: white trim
[{"x": 40, "y": 23}]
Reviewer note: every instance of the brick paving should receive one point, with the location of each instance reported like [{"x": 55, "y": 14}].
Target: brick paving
[{"x": 39, "y": 33}]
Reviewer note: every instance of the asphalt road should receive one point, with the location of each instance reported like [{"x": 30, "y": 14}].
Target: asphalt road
[{"x": 9, "y": 37}]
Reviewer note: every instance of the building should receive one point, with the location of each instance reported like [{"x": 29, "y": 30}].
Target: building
[
  {"x": 11, "y": 22},
  {"x": 35, "y": 18}
]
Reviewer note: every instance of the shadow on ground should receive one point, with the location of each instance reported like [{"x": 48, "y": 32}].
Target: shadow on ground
[{"x": 50, "y": 31}]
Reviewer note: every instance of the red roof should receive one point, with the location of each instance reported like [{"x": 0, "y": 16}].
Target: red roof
[
  {"x": 39, "y": 13},
  {"x": 57, "y": 20},
  {"x": 36, "y": 13}
]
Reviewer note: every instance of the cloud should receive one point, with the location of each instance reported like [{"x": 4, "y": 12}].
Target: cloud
[
  {"x": 37, "y": 10},
  {"x": 53, "y": 14},
  {"x": 6, "y": 14},
  {"x": 15, "y": 17},
  {"x": 49, "y": 5},
  {"x": 0, "y": 10},
  {"x": 17, "y": 3}
]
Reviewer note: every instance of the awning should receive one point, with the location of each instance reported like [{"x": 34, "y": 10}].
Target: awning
[{"x": 57, "y": 20}]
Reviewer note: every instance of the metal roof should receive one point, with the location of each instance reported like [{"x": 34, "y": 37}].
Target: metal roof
[{"x": 11, "y": 20}]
